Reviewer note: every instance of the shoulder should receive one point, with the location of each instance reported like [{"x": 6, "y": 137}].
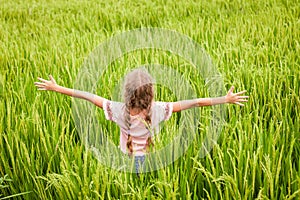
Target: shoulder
[
  {"x": 113, "y": 109},
  {"x": 163, "y": 109},
  {"x": 110, "y": 103},
  {"x": 163, "y": 105}
]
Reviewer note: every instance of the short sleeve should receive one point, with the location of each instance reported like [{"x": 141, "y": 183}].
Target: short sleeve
[
  {"x": 113, "y": 111},
  {"x": 162, "y": 111},
  {"x": 168, "y": 110}
]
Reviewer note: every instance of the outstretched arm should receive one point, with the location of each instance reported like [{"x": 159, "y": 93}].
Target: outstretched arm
[
  {"x": 51, "y": 85},
  {"x": 235, "y": 98}
]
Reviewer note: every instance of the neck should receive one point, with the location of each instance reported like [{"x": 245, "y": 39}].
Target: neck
[{"x": 135, "y": 111}]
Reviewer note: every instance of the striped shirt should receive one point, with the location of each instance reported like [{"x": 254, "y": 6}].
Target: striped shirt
[{"x": 114, "y": 111}]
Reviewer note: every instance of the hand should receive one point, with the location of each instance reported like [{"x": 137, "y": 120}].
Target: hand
[
  {"x": 236, "y": 98},
  {"x": 46, "y": 85}
]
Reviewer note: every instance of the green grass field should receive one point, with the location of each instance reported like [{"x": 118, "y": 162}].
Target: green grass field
[{"x": 255, "y": 46}]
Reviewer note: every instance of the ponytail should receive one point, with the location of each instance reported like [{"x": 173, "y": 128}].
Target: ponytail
[
  {"x": 129, "y": 145},
  {"x": 127, "y": 123}
]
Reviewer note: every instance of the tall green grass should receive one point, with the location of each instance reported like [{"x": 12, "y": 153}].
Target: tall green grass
[{"x": 255, "y": 46}]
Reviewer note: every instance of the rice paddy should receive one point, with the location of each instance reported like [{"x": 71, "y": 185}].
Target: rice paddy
[{"x": 253, "y": 44}]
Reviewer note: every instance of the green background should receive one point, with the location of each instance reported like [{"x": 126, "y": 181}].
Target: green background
[{"x": 255, "y": 46}]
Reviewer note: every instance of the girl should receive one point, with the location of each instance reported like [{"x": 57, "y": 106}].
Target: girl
[{"x": 139, "y": 114}]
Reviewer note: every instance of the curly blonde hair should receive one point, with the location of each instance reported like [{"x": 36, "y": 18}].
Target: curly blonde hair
[{"x": 138, "y": 94}]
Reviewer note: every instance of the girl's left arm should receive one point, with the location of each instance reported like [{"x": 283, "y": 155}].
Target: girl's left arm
[
  {"x": 51, "y": 85},
  {"x": 234, "y": 98}
]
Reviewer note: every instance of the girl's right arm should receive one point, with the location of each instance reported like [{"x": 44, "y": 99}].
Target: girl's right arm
[{"x": 51, "y": 85}]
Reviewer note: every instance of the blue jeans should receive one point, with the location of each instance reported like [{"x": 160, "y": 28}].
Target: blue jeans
[{"x": 139, "y": 163}]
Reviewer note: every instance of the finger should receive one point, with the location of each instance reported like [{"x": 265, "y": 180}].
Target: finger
[
  {"x": 240, "y": 104},
  {"x": 43, "y": 80},
  {"x": 39, "y": 84},
  {"x": 41, "y": 89},
  {"x": 243, "y": 97},
  {"x": 231, "y": 89},
  {"x": 52, "y": 79},
  {"x": 243, "y": 100},
  {"x": 242, "y": 92}
]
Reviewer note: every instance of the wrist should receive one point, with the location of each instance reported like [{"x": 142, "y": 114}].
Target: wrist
[
  {"x": 56, "y": 88},
  {"x": 226, "y": 99}
]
